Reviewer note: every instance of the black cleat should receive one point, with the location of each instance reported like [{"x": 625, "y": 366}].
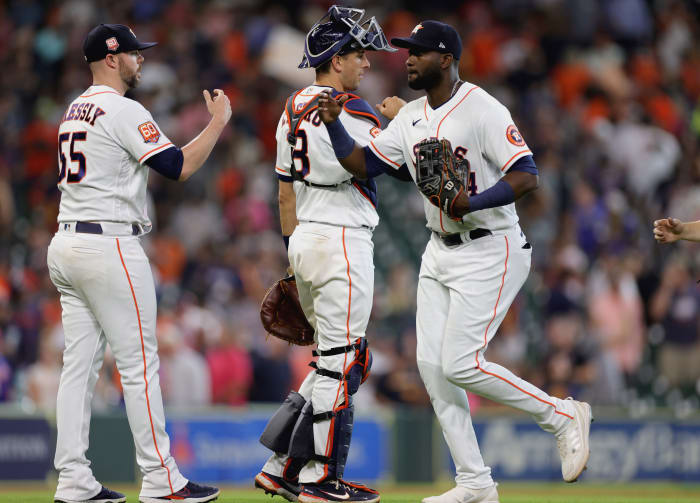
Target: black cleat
[
  {"x": 275, "y": 485},
  {"x": 337, "y": 490},
  {"x": 104, "y": 496},
  {"x": 191, "y": 493}
]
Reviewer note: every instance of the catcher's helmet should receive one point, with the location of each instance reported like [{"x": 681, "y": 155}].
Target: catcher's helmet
[{"x": 342, "y": 30}]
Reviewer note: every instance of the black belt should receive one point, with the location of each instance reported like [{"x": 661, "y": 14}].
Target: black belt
[
  {"x": 456, "y": 239},
  {"x": 93, "y": 228}
]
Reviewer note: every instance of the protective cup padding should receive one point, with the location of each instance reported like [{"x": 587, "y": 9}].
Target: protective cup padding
[{"x": 278, "y": 432}]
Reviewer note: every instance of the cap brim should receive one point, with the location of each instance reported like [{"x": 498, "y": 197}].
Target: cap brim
[
  {"x": 146, "y": 45},
  {"x": 411, "y": 43}
]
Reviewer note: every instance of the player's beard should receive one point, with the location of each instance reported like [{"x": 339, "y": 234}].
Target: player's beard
[
  {"x": 430, "y": 78},
  {"x": 130, "y": 79}
]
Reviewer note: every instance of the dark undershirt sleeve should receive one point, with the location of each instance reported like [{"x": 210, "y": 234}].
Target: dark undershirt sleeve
[
  {"x": 526, "y": 164},
  {"x": 168, "y": 163},
  {"x": 375, "y": 167}
]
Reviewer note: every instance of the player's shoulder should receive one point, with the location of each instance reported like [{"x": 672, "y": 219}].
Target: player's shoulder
[
  {"x": 479, "y": 97},
  {"x": 358, "y": 107}
]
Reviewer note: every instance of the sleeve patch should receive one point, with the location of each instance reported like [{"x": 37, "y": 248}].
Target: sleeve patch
[
  {"x": 149, "y": 132},
  {"x": 514, "y": 136},
  {"x": 375, "y": 132}
]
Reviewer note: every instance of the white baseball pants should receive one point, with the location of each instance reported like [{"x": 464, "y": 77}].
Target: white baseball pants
[
  {"x": 334, "y": 270},
  {"x": 108, "y": 297},
  {"x": 464, "y": 293}
]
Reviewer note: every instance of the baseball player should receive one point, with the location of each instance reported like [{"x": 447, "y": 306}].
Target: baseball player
[
  {"x": 327, "y": 219},
  {"x": 477, "y": 257},
  {"x": 106, "y": 145},
  {"x": 668, "y": 230}
]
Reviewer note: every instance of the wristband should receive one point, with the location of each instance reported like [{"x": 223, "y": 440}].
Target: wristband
[
  {"x": 342, "y": 143},
  {"x": 498, "y": 195}
]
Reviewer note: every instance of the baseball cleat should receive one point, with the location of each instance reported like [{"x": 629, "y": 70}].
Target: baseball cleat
[
  {"x": 104, "y": 496},
  {"x": 461, "y": 494},
  {"x": 275, "y": 485},
  {"x": 337, "y": 490},
  {"x": 191, "y": 493},
  {"x": 573, "y": 442}
]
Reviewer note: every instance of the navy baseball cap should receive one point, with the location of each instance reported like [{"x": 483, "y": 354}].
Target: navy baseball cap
[
  {"x": 111, "y": 39},
  {"x": 432, "y": 36}
]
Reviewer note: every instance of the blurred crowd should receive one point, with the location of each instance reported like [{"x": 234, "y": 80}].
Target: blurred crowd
[{"x": 606, "y": 93}]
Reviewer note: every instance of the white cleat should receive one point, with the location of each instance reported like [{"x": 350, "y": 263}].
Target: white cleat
[
  {"x": 573, "y": 443},
  {"x": 461, "y": 494}
]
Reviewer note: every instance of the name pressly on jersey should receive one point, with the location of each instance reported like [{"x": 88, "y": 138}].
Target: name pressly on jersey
[{"x": 86, "y": 112}]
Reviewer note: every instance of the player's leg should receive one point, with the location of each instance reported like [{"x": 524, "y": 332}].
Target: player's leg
[
  {"x": 449, "y": 401},
  {"x": 478, "y": 303},
  {"x": 82, "y": 360},
  {"x": 126, "y": 310},
  {"x": 338, "y": 263}
]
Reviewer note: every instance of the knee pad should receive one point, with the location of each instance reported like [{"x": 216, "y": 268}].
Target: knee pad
[
  {"x": 342, "y": 417},
  {"x": 301, "y": 444},
  {"x": 278, "y": 432},
  {"x": 357, "y": 372}
]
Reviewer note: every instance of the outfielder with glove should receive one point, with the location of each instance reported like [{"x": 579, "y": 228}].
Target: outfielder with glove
[
  {"x": 330, "y": 216},
  {"x": 471, "y": 163}
]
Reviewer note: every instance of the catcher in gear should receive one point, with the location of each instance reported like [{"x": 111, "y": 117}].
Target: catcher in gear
[
  {"x": 477, "y": 257},
  {"x": 327, "y": 219}
]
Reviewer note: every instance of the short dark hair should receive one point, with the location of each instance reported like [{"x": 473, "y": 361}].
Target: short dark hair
[{"x": 324, "y": 68}]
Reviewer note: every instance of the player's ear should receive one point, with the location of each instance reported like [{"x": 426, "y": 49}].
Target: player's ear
[
  {"x": 112, "y": 60},
  {"x": 446, "y": 60},
  {"x": 337, "y": 63}
]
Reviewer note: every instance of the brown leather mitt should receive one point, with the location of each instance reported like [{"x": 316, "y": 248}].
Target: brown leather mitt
[{"x": 282, "y": 316}]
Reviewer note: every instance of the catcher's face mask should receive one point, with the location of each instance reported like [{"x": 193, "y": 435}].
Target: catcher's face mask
[{"x": 338, "y": 28}]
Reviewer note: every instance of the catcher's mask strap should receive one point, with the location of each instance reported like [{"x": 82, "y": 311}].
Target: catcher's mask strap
[{"x": 336, "y": 351}]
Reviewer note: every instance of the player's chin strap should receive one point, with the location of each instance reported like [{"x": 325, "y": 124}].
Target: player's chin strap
[{"x": 294, "y": 118}]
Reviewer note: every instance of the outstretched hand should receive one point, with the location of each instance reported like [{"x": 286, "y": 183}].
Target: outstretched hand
[
  {"x": 668, "y": 230},
  {"x": 329, "y": 108},
  {"x": 219, "y": 106}
]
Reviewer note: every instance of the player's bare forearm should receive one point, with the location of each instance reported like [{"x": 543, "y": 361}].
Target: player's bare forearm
[
  {"x": 521, "y": 182},
  {"x": 288, "y": 207},
  {"x": 355, "y": 163},
  {"x": 197, "y": 151},
  {"x": 691, "y": 231}
]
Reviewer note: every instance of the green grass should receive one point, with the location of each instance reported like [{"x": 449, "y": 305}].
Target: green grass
[{"x": 509, "y": 493}]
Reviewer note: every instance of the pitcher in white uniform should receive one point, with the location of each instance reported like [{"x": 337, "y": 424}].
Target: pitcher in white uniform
[
  {"x": 327, "y": 219},
  {"x": 473, "y": 266},
  {"x": 106, "y": 145}
]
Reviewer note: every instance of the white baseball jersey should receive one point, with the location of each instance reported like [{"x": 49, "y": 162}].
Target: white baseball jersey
[
  {"x": 349, "y": 204},
  {"x": 479, "y": 128},
  {"x": 103, "y": 142}
]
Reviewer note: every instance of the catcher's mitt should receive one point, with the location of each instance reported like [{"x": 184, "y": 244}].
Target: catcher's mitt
[
  {"x": 440, "y": 176},
  {"x": 282, "y": 316}
]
